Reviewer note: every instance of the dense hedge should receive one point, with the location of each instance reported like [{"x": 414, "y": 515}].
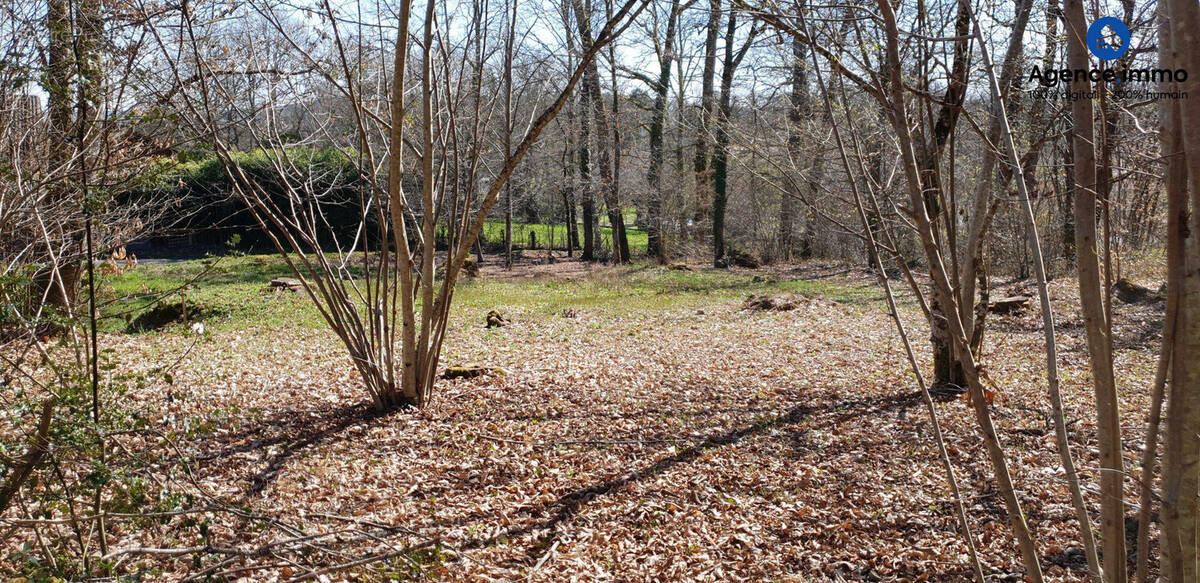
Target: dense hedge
[{"x": 203, "y": 211}]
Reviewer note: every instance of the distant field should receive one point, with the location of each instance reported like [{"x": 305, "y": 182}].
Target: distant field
[{"x": 556, "y": 234}]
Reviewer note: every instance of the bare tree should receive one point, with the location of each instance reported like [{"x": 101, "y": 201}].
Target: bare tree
[
  {"x": 664, "y": 51},
  {"x": 1095, "y": 315},
  {"x": 1002, "y": 129},
  {"x": 1180, "y": 49},
  {"x": 509, "y": 43},
  {"x": 720, "y": 161},
  {"x": 604, "y": 138},
  {"x": 393, "y": 250},
  {"x": 797, "y": 114},
  {"x": 701, "y": 161}
]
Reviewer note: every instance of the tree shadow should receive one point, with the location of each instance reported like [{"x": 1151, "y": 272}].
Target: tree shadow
[
  {"x": 294, "y": 430},
  {"x": 568, "y": 505},
  {"x": 578, "y": 412}
]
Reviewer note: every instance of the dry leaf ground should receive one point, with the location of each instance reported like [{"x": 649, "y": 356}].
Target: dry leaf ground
[{"x": 649, "y": 429}]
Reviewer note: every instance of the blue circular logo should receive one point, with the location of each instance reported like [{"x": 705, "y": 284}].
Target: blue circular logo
[{"x": 1108, "y": 38}]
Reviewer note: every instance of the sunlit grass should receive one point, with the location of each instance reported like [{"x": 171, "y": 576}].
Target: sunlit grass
[
  {"x": 556, "y": 235},
  {"x": 235, "y": 290}
]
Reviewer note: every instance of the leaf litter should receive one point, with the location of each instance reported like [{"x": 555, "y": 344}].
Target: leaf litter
[{"x": 683, "y": 444}]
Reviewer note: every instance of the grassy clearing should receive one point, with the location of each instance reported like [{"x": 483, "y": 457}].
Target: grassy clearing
[
  {"x": 231, "y": 288},
  {"x": 643, "y": 288},
  {"x": 233, "y": 292},
  {"x": 694, "y": 435}
]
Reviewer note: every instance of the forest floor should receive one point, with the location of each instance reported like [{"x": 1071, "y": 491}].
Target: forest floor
[{"x": 649, "y": 428}]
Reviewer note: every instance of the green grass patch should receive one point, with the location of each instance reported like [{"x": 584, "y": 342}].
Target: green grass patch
[
  {"x": 231, "y": 293},
  {"x": 556, "y": 234},
  {"x": 225, "y": 292},
  {"x": 637, "y": 288}
]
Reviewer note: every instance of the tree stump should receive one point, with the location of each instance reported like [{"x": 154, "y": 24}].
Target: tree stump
[
  {"x": 1132, "y": 293},
  {"x": 470, "y": 268}
]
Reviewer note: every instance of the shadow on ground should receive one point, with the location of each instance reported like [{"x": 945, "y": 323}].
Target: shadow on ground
[{"x": 294, "y": 431}]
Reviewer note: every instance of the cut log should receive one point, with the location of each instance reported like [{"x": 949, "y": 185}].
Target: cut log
[
  {"x": 472, "y": 371},
  {"x": 1009, "y": 305},
  {"x": 738, "y": 258},
  {"x": 290, "y": 283}
]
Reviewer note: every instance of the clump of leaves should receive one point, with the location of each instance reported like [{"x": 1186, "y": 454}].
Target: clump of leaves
[{"x": 769, "y": 303}]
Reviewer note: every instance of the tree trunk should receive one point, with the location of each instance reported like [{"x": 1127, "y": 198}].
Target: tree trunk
[
  {"x": 388, "y": 394},
  {"x": 1176, "y": 188},
  {"x": 1095, "y": 318},
  {"x": 591, "y": 231},
  {"x": 568, "y": 188},
  {"x": 894, "y": 101},
  {"x": 1181, "y": 479},
  {"x": 947, "y": 370},
  {"x": 701, "y": 159},
  {"x": 678, "y": 198},
  {"x": 615, "y": 213},
  {"x": 796, "y": 114},
  {"x": 55, "y": 286},
  {"x": 1175, "y": 185},
  {"x": 591, "y": 89},
  {"x": 721, "y": 147},
  {"x": 583, "y": 152},
  {"x": 656, "y": 246},
  {"x": 509, "y": 41}
]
